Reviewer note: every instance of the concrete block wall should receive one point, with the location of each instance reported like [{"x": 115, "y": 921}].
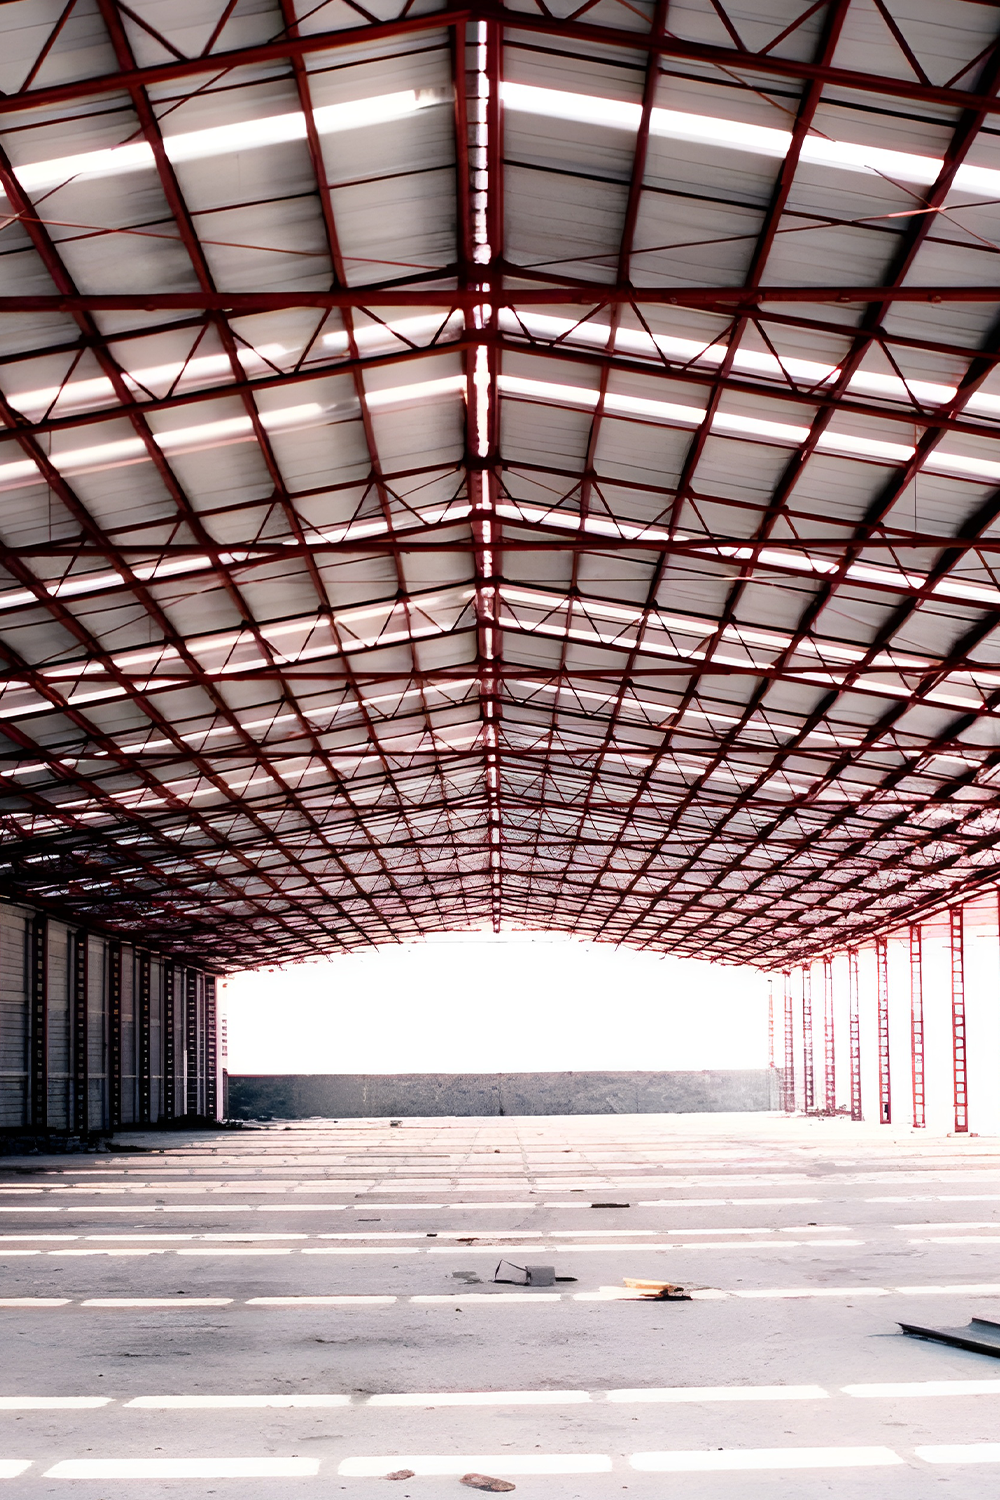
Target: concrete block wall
[
  {"x": 358, "y": 1096},
  {"x": 96, "y": 1033}
]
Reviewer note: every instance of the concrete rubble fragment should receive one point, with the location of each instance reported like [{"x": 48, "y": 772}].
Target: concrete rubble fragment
[{"x": 656, "y": 1291}]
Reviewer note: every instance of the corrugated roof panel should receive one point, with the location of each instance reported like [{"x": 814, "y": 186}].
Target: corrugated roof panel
[
  {"x": 782, "y": 478},
  {"x": 389, "y": 234}
]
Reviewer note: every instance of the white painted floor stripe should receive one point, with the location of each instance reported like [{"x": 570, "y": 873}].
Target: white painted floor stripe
[
  {"x": 174, "y": 1302},
  {"x": 53, "y": 1403},
  {"x": 983, "y": 1289},
  {"x": 385, "y": 1249},
  {"x": 10, "y": 1468},
  {"x": 245, "y": 1236},
  {"x": 959, "y": 1239},
  {"x": 925, "y": 1388},
  {"x": 706, "y": 1202},
  {"x": 234, "y": 1250},
  {"x": 34, "y": 1301},
  {"x": 500, "y": 1464},
  {"x": 485, "y": 1242},
  {"x": 182, "y": 1468},
  {"x": 484, "y": 1398},
  {"x": 492, "y": 1297},
  {"x": 959, "y": 1453},
  {"x": 924, "y": 1224},
  {"x": 721, "y": 1393},
  {"x": 109, "y": 1250},
  {"x": 233, "y": 1403},
  {"x": 602, "y": 1294},
  {"x": 816, "y": 1291},
  {"x": 344, "y": 1301},
  {"x": 764, "y": 1458},
  {"x": 454, "y": 1234}
]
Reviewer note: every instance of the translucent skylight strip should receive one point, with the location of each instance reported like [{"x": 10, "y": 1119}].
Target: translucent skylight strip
[
  {"x": 97, "y": 390},
  {"x": 739, "y": 135},
  {"x": 586, "y": 109},
  {"x": 177, "y": 440},
  {"x": 228, "y": 430},
  {"x": 688, "y": 351},
  {"x": 225, "y": 140},
  {"x": 847, "y": 445}
]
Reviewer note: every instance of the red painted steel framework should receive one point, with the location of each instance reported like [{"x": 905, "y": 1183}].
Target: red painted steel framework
[
  {"x": 788, "y": 1075},
  {"x": 917, "y": 1026},
  {"x": 855, "y": 1033},
  {"x": 629, "y": 785},
  {"x": 956, "y": 926}
]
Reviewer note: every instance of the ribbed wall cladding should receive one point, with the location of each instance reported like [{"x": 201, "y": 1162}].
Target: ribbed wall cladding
[{"x": 97, "y": 1034}]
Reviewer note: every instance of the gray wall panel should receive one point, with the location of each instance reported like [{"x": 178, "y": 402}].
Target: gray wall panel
[
  {"x": 59, "y": 1027},
  {"x": 352, "y": 1096},
  {"x": 13, "y": 1020},
  {"x": 59, "y": 1117}
]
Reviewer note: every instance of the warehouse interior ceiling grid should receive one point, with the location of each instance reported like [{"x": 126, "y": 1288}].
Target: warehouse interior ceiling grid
[{"x": 526, "y": 465}]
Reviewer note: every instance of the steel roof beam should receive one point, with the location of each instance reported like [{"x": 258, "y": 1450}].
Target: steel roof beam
[
  {"x": 724, "y": 299},
  {"x": 286, "y": 47}
]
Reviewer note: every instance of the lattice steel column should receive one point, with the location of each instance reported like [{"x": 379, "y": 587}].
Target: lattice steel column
[
  {"x": 169, "y": 1043},
  {"x": 829, "y": 1051},
  {"x": 789, "y": 1075},
  {"x": 114, "y": 1034},
  {"x": 957, "y": 935},
  {"x": 808, "y": 1071},
  {"x": 79, "y": 981},
  {"x": 144, "y": 1030},
  {"x": 191, "y": 1038},
  {"x": 211, "y": 1049},
  {"x": 884, "y": 1074},
  {"x": 917, "y": 1025},
  {"x": 38, "y": 1009},
  {"x": 855, "y": 1025}
]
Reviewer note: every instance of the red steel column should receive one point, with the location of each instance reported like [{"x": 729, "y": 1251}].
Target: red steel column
[
  {"x": 829, "y": 1049},
  {"x": 884, "y": 1077},
  {"x": 917, "y": 1025},
  {"x": 38, "y": 1021},
  {"x": 789, "y": 1090},
  {"x": 808, "y": 1079},
  {"x": 79, "y": 958},
  {"x": 957, "y": 934},
  {"x": 852, "y": 970}
]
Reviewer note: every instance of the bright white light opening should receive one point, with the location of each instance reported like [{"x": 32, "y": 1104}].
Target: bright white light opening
[
  {"x": 224, "y": 140},
  {"x": 737, "y": 135}
]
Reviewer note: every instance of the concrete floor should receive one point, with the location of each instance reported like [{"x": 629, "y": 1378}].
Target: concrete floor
[{"x": 152, "y": 1273}]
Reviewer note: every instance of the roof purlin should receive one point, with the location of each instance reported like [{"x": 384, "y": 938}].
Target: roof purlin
[{"x": 707, "y": 817}]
